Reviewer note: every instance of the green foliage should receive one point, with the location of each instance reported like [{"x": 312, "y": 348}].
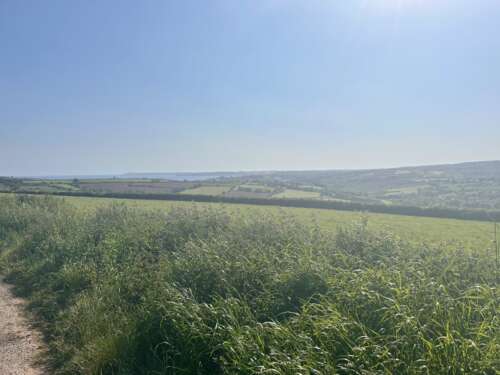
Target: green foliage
[{"x": 201, "y": 291}]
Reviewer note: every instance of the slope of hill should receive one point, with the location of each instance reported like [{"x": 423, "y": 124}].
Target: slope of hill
[
  {"x": 465, "y": 185},
  {"x": 474, "y": 185}
]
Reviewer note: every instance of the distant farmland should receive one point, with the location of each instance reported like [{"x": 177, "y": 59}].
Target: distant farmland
[{"x": 467, "y": 186}]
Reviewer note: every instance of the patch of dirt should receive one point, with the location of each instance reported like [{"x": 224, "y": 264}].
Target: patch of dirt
[{"x": 20, "y": 344}]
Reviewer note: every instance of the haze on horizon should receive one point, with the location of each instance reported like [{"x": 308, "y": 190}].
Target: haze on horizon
[{"x": 115, "y": 87}]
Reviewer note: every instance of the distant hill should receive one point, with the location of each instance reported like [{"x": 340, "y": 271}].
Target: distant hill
[
  {"x": 464, "y": 185},
  {"x": 473, "y": 185},
  {"x": 187, "y": 176}
]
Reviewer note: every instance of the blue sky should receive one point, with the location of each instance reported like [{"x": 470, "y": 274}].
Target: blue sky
[{"x": 89, "y": 87}]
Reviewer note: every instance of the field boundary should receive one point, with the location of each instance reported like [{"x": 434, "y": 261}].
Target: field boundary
[{"x": 444, "y": 213}]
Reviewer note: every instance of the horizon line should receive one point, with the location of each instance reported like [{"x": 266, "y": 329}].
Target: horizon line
[{"x": 255, "y": 171}]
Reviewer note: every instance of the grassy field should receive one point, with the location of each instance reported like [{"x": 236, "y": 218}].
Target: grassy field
[
  {"x": 469, "y": 234},
  {"x": 208, "y": 190},
  {"x": 301, "y": 194},
  {"x": 144, "y": 287},
  {"x": 256, "y": 187},
  {"x": 144, "y": 186}
]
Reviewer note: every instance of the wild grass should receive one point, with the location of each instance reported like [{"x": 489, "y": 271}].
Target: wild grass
[
  {"x": 194, "y": 290},
  {"x": 458, "y": 233}
]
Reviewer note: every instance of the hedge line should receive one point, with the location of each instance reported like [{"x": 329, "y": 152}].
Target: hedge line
[{"x": 436, "y": 212}]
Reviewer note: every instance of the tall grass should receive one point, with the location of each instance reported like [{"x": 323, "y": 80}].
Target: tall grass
[{"x": 125, "y": 291}]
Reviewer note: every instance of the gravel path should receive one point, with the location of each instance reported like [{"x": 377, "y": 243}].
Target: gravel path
[{"x": 19, "y": 343}]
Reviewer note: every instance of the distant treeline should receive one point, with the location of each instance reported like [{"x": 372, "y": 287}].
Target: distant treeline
[{"x": 436, "y": 212}]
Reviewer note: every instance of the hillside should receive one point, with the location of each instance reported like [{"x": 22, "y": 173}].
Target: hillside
[
  {"x": 465, "y": 185},
  {"x": 474, "y": 185}
]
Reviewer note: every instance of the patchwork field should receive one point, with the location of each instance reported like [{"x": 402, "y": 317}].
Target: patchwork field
[{"x": 467, "y": 186}]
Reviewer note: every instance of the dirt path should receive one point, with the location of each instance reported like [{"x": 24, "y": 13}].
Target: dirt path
[{"x": 19, "y": 343}]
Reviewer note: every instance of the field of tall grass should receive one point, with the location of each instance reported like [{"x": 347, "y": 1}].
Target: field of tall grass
[
  {"x": 199, "y": 290},
  {"x": 449, "y": 232}
]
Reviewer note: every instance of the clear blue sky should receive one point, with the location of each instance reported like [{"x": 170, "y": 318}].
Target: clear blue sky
[{"x": 90, "y": 87}]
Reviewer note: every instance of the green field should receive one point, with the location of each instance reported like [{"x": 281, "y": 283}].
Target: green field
[
  {"x": 208, "y": 190},
  {"x": 258, "y": 187},
  {"x": 147, "y": 287},
  {"x": 297, "y": 194},
  {"x": 470, "y": 234}
]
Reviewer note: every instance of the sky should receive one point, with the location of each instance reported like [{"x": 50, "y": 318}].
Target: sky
[{"x": 108, "y": 87}]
